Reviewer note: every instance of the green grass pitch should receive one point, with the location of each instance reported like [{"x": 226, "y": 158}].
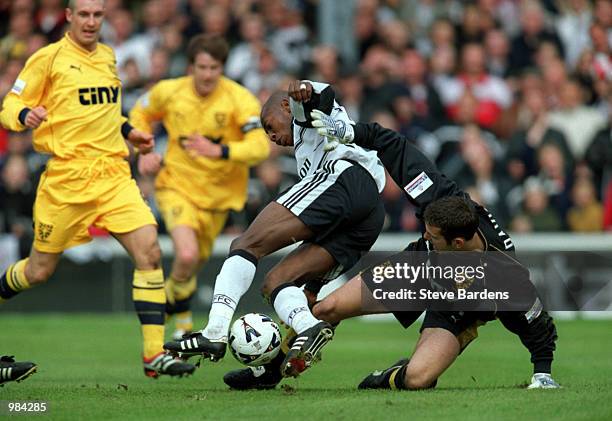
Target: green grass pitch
[{"x": 89, "y": 369}]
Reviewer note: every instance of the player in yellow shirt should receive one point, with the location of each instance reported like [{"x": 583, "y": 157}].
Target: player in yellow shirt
[
  {"x": 70, "y": 95},
  {"x": 214, "y": 135}
]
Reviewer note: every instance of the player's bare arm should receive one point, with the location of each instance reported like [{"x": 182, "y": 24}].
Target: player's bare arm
[{"x": 149, "y": 164}]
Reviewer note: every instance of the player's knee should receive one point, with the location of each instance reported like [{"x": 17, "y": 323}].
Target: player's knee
[
  {"x": 149, "y": 257},
  {"x": 187, "y": 257},
  {"x": 418, "y": 378},
  {"x": 251, "y": 242}
]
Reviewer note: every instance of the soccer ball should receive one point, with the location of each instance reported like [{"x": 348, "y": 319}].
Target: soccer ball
[{"x": 254, "y": 339}]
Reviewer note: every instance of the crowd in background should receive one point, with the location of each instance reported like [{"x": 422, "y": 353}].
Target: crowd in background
[{"x": 512, "y": 99}]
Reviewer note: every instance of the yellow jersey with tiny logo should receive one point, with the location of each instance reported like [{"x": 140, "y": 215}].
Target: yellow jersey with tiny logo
[{"x": 81, "y": 92}]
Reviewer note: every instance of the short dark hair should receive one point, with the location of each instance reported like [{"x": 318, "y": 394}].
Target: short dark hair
[
  {"x": 214, "y": 45},
  {"x": 455, "y": 216}
]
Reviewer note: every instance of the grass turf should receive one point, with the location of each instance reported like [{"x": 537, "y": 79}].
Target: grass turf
[{"x": 89, "y": 369}]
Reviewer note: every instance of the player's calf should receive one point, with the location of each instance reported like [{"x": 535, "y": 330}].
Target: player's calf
[{"x": 398, "y": 376}]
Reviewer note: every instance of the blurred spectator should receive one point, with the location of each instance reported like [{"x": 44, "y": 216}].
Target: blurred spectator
[
  {"x": 172, "y": 42},
  {"x": 426, "y": 101},
  {"x": 602, "y": 15},
  {"x": 497, "y": 48},
  {"x": 554, "y": 75},
  {"x": 573, "y": 28},
  {"x": 472, "y": 27},
  {"x": 335, "y": 21},
  {"x": 264, "y": 74},
  {"x": 575, "y": 120},
  {"x": 326, "y": 64},
  {"x": 379, "y": 90},
  {"x": 128, "y": 46},
  {"x": 365, "y": 25},
  {"x": 216, "y": 21},
  {"x": 481, "y": 173},
  {"x": 533, "y": 132},
  {"x": 396, "y": 36},
  {"x": 51, "y": 18},
  {"x": 537, "y": 215},
  {"x": 350, "y": 93},
  {"x": 533, "y": 32},
  {"x": 15, "y": 43},
  {"x": 245, "y": 53},
  {"x": 504, "y": 12},
  {"x": 598, "y": 158},
  {"x": 265, "y": 187},
  {"x": 587, "y": 213},
  {"x": 556, "y": 177},
  {"x": 17, "y": 193},
  {"x": 290, "y": 39},
  {"x": 491, "y": 94}
]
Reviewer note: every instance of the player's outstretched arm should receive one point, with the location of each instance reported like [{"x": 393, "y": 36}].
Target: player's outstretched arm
[{"x": 407, "y": 165}]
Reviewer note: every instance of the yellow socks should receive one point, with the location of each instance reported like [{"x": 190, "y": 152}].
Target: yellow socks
[
  {"x": 13, "y": 281},
  {"x": 150, "y": 302}
]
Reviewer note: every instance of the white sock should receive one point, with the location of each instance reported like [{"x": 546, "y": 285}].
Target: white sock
[
  {"x": 232, "y": 282},
  {"x": 291, "y": 306}
]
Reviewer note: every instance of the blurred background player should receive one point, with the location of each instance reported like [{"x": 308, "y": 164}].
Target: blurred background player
[
  {"x": 69, "y": 94},
  {"x": 214, "y": 137}
]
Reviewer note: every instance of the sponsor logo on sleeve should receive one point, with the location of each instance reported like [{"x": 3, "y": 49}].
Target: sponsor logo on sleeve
[
  {"x": 417, "y": 186},
  {"x": 18, "y": 87}
]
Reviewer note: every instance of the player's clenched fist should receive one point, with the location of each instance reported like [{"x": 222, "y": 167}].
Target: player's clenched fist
[
  {"x": 300, "y": 91},
  {"x": 141, "y": 140},
  {"x": 197, "y": 145},
  {"x": 35, "y": 117},
  {"x": 149, "y": 164}
]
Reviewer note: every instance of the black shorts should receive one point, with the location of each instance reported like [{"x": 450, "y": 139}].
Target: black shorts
[
  {"x": 464, "y": 325},
  {"x": 341, "y": 204}
]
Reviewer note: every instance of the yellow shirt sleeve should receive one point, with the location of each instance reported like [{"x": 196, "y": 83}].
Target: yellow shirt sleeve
[
  {"x": 255, "y": 146},
  {"x": 28, "y": 90},
  {"x": 150, "y": 107}
]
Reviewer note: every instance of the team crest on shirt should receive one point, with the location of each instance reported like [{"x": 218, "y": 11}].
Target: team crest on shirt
[
  {"x": 44, "y": 231},
  {"x": 176, "y": 211},
  {"x": 221, "y": 119}
]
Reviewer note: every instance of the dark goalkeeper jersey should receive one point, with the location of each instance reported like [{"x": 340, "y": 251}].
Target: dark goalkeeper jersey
[{"x": 422, "y": 182}]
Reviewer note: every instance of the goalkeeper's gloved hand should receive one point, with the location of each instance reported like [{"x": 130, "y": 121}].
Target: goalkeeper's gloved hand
[{"x": 336, "y": 131}]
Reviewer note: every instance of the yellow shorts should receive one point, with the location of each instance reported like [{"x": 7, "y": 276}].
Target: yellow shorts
[
  {"x": 176, "y": 210},
  {"x": 73, "y": 195}
]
